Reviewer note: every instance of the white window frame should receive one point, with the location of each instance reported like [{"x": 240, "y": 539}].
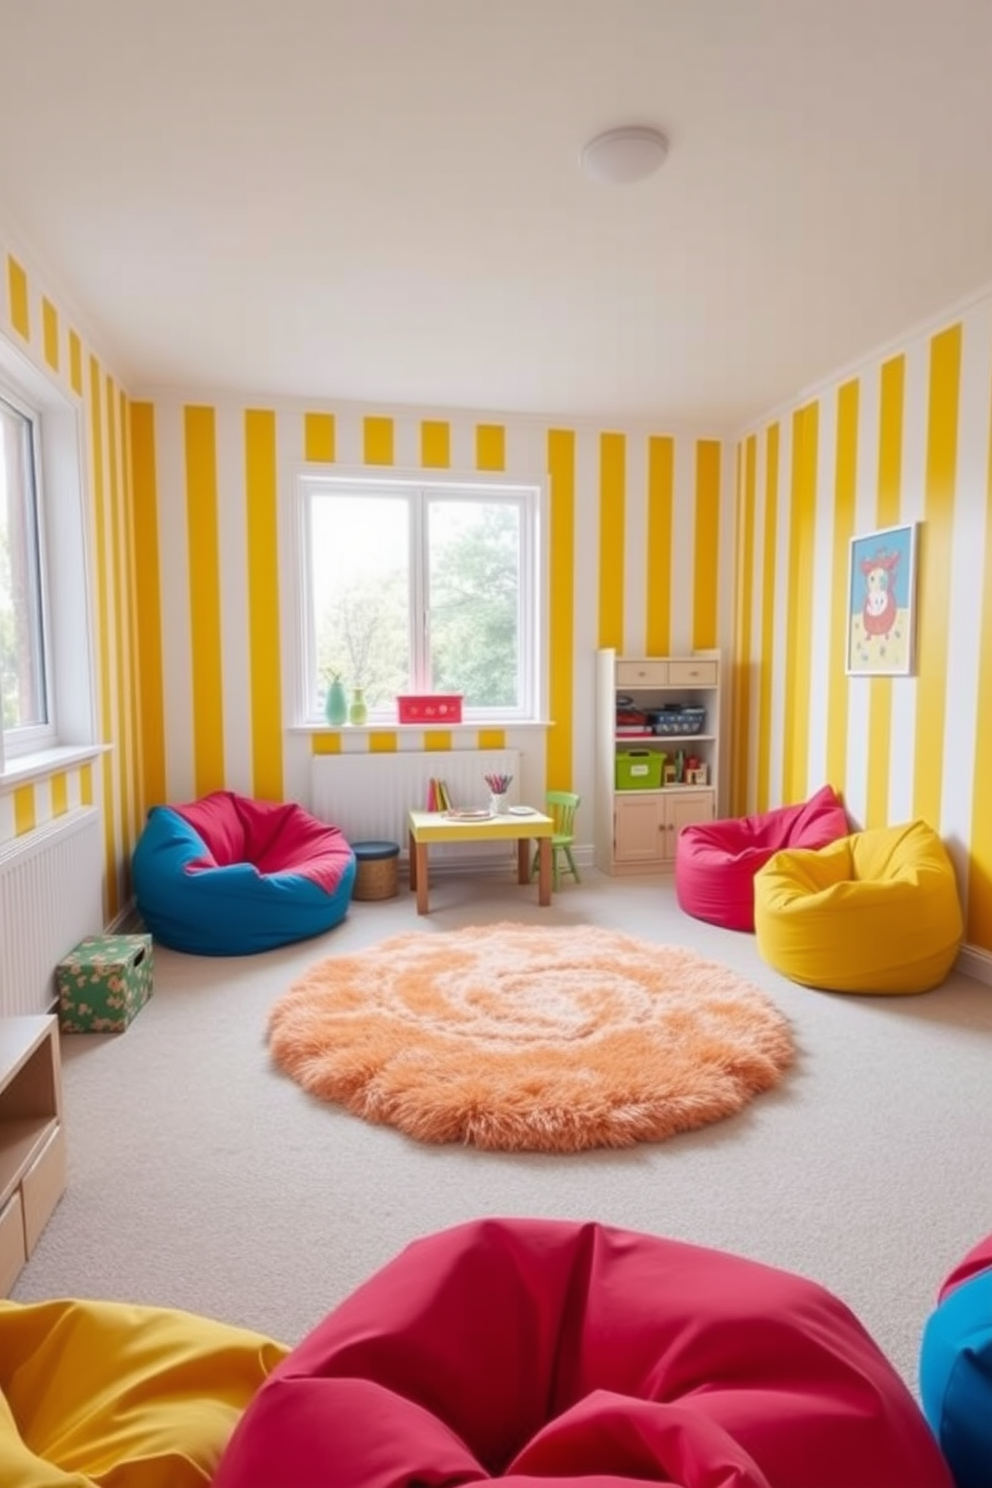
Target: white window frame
[
  {"x": 30, "y": 738},
  {"x": 423, "y": 487},
  {"x": 63, "y": 553}
]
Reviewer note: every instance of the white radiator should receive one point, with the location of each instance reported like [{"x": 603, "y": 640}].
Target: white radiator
[
  {"x": 368, "y": 795},
  {"x": 50, "y": 898}
]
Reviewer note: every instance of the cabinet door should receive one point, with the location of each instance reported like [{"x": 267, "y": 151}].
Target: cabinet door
[
  {"x": 685, "y": 808},
  {"x": 638, "y": 828}
]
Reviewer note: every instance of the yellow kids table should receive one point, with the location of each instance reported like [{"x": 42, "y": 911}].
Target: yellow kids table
[{"x": 442, "y": 826}]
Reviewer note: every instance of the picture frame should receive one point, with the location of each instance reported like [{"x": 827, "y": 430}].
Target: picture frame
[{"x": 881, "y": 602}]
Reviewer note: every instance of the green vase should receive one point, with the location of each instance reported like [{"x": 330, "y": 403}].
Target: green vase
[
  {"x": 358, "y": 712},
  {"x": 336, "y": 704}
]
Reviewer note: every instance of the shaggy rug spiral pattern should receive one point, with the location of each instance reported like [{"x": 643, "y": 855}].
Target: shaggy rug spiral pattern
[{"x": 524, "y": 1039}]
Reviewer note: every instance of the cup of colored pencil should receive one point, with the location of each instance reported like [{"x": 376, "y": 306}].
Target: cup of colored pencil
[{"x": 499, "y": 786}]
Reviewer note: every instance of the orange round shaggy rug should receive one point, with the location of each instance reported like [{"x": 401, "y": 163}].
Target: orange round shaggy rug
[{"x": 524, "y": 1039}]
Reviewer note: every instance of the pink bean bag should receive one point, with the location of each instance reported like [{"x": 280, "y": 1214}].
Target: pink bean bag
[
  {"x": 538, "y": 1352},
  {"x": 715, "y": 862}
]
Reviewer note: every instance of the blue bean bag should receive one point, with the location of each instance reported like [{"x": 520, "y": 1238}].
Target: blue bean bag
[
  {"x": 229, "y": 876},
  {"x": 956, "y": 1368}
]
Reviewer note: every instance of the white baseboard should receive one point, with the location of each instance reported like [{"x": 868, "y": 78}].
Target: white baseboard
[{"x": 975, "y": 963}]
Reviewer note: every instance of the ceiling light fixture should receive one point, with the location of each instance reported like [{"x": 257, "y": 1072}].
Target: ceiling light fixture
[{"x": 626, "y": 154}]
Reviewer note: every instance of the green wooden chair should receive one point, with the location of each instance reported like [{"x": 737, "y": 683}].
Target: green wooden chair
[{"x": 561, "y": 806}]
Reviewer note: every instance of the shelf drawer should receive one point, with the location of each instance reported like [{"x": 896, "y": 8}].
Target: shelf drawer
[
  {"x": 12, "y": 1251},
  {"x": 692, "y": 673},
  {"x": 43, "y": 1186},
  {"x": 642, "y": 673}
]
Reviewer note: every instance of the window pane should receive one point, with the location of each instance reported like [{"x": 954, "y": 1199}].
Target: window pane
[
  {"x": 22, "y": 676},
  {"x": 360, "y": 555},
  {"x": 474, "y": 606}
]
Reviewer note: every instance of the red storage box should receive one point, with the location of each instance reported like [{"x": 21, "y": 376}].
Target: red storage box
[{"x": 430, "y": 707}]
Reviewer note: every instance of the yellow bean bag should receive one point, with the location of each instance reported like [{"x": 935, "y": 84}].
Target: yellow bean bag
[
  {"x": 874, "y": 912},
  {"x": 119, "y": 1396}
]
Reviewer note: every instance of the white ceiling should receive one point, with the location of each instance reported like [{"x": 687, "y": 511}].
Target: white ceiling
[{"x": 380, "y": 200}]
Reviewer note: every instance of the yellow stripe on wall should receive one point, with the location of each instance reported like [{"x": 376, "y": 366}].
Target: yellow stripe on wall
[
  {"x": 17, "y": 291},
  {"x": 934, "y": 573},
  {"x": 105, "y": 683},
  {"x": 437, "y": 741},
  {"x": 979, "y": 929},
  {"x": 742, "y": 712},
  {"x": 60, "y": 793},
  {"x": 802, "y": 533},
  {"x": 492, "y": 738},
  {"x": 50, "y": 333},
  {"x": 490, "y": 447},
  {"x": 325, "y": 744},
  {"x": 119, "y": 701},
  {"x": 706, "y": 566},
  {"x": 382, "y": 743},
  {"x": 25, "y": 814},
  {"x": 148, "y": 599},
  {"x": 435, "y": 444},
  {"x": 661, "y": 486},
  {"x": 561, "y": 638},
  {"x": 86, "y": 785},
  {"x": 134, "y": 673},
  {"x": 206, "y": 659},
  {"x": 377, "y": 440},
  {"x": 845, "y": 498},
  {"x": 319, "y": 438},
  {"x": 767, "y": 619},
  {"x": 893, "y": 376},
  {"x": 612, "y": 535},
  {"x": 264, "y": 648},
  {"x": 75, "y": 364}
]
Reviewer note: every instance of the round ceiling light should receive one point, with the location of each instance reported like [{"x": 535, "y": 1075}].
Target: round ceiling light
[{"x": 626, "y": 154}]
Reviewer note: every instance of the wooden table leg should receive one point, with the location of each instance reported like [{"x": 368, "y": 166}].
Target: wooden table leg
[
  {"x": 523, "y": 859},
  {"x": 413, "y": 864},
  {"x": 544, "y": 872},
  {"x": 421, "y": 871}
]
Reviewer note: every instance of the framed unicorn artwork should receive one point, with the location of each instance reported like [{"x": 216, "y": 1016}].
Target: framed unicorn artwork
[{"x": 881, "y": 603}]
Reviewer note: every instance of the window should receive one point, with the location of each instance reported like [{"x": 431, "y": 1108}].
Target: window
[
  {"x": 414, "y": 587},
  {"x": 24, "y": 690}
]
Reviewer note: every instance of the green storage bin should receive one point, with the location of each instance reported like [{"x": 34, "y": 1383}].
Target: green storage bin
[
  {"x": 104, "y": 983},
  {"x": 639, "y": 769}
]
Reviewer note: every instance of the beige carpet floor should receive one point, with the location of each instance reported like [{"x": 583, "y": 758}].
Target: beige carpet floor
[{"x": 201, "y": 1177}]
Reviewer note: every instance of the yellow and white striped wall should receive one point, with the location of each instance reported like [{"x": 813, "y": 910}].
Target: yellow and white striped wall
[
  {"x": 34, "y": 322},
  {"x": 905, "y": 437},
  {"x": 639, "y": 551}
]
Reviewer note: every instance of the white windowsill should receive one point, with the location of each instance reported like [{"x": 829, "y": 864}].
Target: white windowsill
[
  {"x": 24, "y": 768},
  {"x": 390, "y": 726}
]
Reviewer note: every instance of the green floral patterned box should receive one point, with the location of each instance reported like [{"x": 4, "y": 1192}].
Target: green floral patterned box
[{"x": 104, "y": 983}]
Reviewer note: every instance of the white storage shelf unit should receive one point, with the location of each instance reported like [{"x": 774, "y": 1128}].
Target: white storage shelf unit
[{"x": 636, "y": 829}]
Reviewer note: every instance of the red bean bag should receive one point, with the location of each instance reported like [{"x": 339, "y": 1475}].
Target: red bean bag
[
  {"x": 715, "y": 862},
  {"x": 539, "y": 1351}
]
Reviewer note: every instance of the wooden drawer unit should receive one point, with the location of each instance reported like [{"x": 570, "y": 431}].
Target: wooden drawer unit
[
  {"x": 647, "y": 673},
  {"x": 12, "y": 1250},
  {"x": 42, "y": 1186},
  {"x": 32, "y": 1138},
  {"x": 692, "y": 673}
]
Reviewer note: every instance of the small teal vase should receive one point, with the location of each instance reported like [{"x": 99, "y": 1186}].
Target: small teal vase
[{"x": 336, "y": 704}]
